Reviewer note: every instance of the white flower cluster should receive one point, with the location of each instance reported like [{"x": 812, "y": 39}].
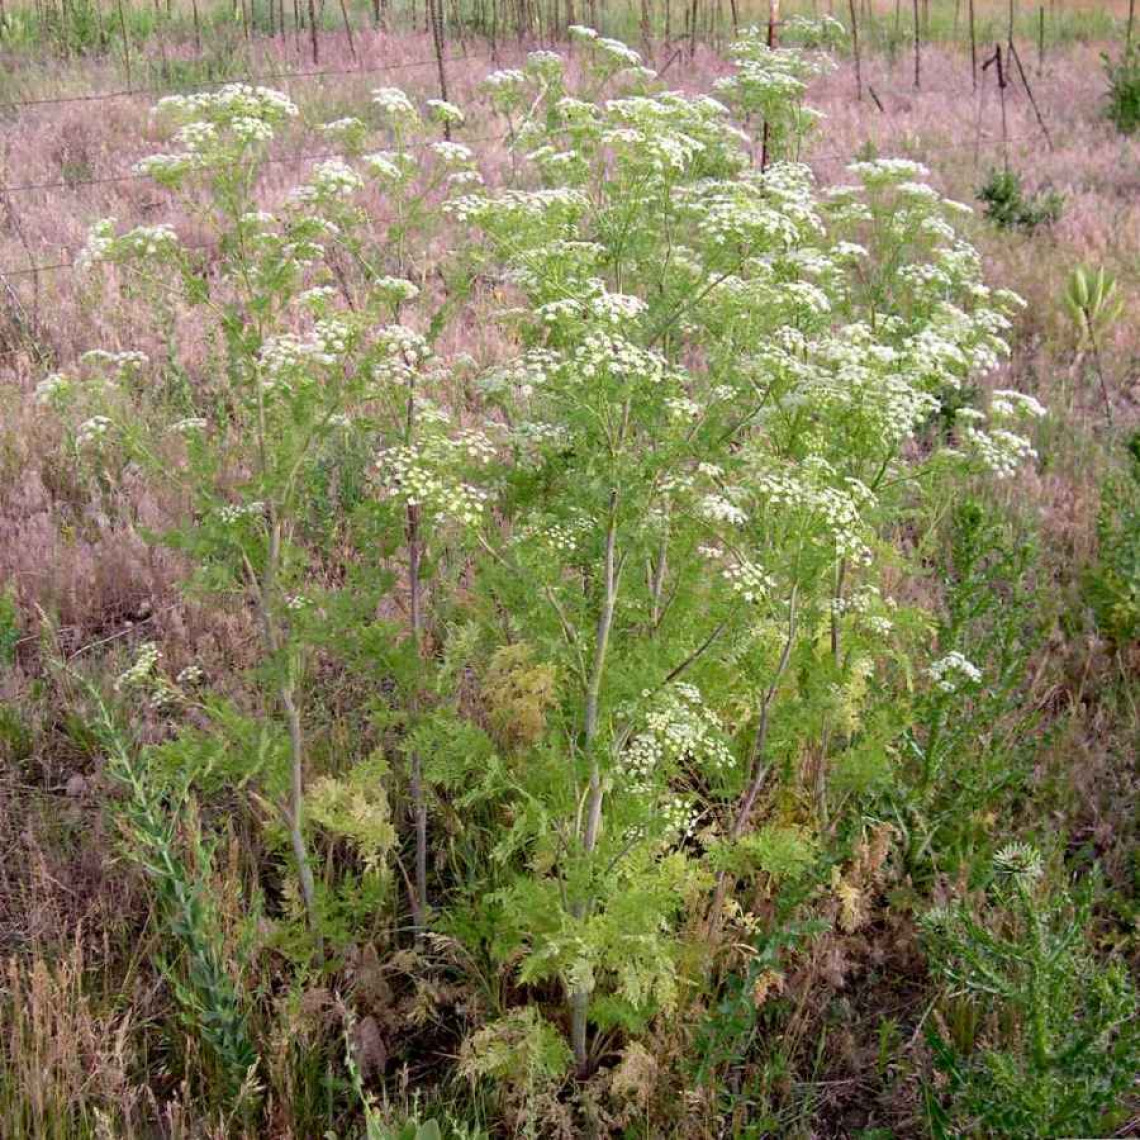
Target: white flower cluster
[
  {"x": 396, "y": 290},
  {"x": 288, "y": 360},
  {"x": 234, "y": 101},
  {"x": 122, "y": 362},
  {"x": 1001, "y": 451},
  {"x": 680, "y": 817},
  {"x": 190, "y": 676},
  {"x": 719, "y": 508},
  {"x": 332, "y": 180},
  {"x": 836, "y": 510},
  {"x": 561, "y": 538},
  {"x": 441, "y": 111},
  {"x": 192, "y": 425},
  {"x": 617, "y": 308},
  {"x": 142, "y": 241},
  {"x": 396, "y": 105},
  {"x": 387, "y": 166},
  {"x": 606, "y": 354},
  {"x": 403, "y": 352},
  {"x": 235, "y": 512},
  {"x": 142, "y": 670},
  {"x": 511, "y": 208},
  {"x": 1007, "y": 402},
  {"x": 423, "y": 476},
  {"x": 53, "y": 389},
  {"x": 745, "y": 577},
  {"x": 888, "y": 172},
  {"x": 92, "y": 431},
  {"x": 952, "y": 670},
  {"x": 522, "y": 377},
  {"x": 148, "y": 241},
  {"x": 452, "y": 153},
  {"x": 679, "y": 729}
]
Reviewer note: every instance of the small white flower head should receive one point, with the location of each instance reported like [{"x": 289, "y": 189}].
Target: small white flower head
[
  {"x": 350, "y": 131},
  {"x": 191, "y": 676},
  {"x": 396, "y": 290},
  {"x": 950, "y": 672},
  {"x": 142, "y": 671},
  {"x": 191, "y": 426},
  {"x": 442, "y": 111},
  {"x": 1016, "y": 405},
  {"x": 396, "y": 106},
  {"x": 53, "y": 390},
  {"x": 452, "y": 153},
  {"x": 546, "y": 65},
  {"x": 233, "y": 513},
  {"x": 92, "y": 432},
  {"x": 100, "y": 243},
  {"x": 386, "y": 166}
]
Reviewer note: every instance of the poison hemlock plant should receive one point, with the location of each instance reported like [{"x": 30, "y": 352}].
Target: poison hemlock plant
[{"x": 618, "y": 586}]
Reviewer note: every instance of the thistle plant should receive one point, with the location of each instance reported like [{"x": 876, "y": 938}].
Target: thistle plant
[{"x": 1063, "y": 1045}]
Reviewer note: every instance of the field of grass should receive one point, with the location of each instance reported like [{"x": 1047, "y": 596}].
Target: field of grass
[{"x": 565, "y": 619}]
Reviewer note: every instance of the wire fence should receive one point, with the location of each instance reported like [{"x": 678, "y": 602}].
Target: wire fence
[{"x": 244, "y": 77}]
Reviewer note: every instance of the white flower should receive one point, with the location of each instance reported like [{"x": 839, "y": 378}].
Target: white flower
[
  {"x": 394, "y": 103},
  {"x": 1007, "y": 402},
  {"x": 143, "y": 668},
  {"x": 717, "y": 508},
  {"x": 950, "y": 671},
  {"x": 193, "y": 425},
  {"x": 442, "y": 111},
  {"x": 52, "y": 388},
  {"x": 92, "y": 430},
  {"x": 452, "y": 153}
]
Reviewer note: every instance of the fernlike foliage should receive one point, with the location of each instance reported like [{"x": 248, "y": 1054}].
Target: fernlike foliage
[{"x": 631, "y": 557}]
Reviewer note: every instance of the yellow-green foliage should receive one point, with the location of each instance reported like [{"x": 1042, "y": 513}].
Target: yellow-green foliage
[
  {"x": 518, "y": 693},
  {"x": 355, "y": 807},
  {"x": 522, "y": 1049}
]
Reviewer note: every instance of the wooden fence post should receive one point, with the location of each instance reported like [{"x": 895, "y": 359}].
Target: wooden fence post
[
  {"x": 855, "y": 48},
  {"x": 773, "y": 39},
  {"x": 917, "y": 49}
]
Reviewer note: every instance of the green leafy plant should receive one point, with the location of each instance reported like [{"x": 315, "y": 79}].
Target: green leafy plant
[
  {"x": 606, "y": 612},
  {"x": 1010, "y": 207},
  {"x": 1123, "y": 98},
  {"x": 1094, "y": 306},
  {"x": 1057, "y": 1045},
  {"x": 1113, "y": 583},
  {"x": 164, "y": 837}
]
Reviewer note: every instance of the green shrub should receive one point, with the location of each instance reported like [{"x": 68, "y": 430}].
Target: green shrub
[
  {"x": 1113, "y": 585},
  {"x": 1009, "y": 207},
  {"x": 1123, "y": 77}
]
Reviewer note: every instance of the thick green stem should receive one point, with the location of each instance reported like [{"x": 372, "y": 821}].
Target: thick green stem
[{"x": 580, "y": 997}]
